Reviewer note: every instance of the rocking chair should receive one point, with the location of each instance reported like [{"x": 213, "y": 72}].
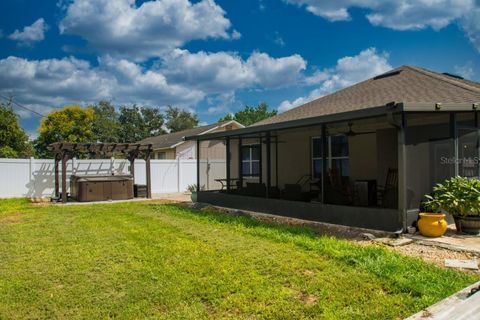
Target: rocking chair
[{"x": 388, "y": 193}]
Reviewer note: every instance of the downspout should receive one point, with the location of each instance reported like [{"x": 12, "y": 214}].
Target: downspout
[{"x": 399, "y": 124}]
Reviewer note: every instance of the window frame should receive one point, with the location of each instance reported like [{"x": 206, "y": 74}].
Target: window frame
[
  {"x": 251, "y": 161},
  {"x": 330, "y": 159}
]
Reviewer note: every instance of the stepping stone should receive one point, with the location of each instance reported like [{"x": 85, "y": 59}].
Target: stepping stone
[
  {"x": 465, "y": 264},
  {"x": 394, "y": 242}
]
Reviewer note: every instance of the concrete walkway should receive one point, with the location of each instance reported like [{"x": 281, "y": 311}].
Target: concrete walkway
[
  {"x": 175, "y": 197},
  {"x": 451, "y": 240},
  {"x": 459, "y": 306}
]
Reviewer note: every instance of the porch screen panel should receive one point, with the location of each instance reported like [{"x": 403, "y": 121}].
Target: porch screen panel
[
  {"x": 234, "y": 165},
  {"x": 213, "y": 165},
  {"x": 430, "y": 154},
  {"x": 467, "y": 145},
  {"x": 337, "y": 152}
]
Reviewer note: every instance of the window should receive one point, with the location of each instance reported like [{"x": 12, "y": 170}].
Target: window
[
  {"x": 337, "y": 152},
  {"x": 251, "y": 160},
  {"x": 162, "y": 155}
]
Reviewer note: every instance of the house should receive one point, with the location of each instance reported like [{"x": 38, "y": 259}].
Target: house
[
  {"x": 173, "y": 146},
  {"x": 363, "y": 156}
]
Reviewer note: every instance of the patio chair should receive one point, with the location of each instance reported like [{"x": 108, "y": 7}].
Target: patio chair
[
  {"x": 338, "y": 190},
  {"x": 388, "y": 193}
]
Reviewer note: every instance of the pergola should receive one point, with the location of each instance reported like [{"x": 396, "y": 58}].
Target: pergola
[{"x": 64, "y": 151}]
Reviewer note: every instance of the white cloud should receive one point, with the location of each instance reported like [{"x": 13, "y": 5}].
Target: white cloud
[
  {"x": 30, "y": 34},
  {"x": 470, "y": 22},
  {"x": 279, "y": 40},
  {"x": 54, "y": 82},
  {"x": 183, "y": 79},
  {"x": 220, "y": 104},
  {"x": 223, "y": 72},
  {"x": 403, "y": 15},
  {"x": 466, "y": 70},
  {"x": 347, "y": 71},
  {"x": 121, "y": 28}
]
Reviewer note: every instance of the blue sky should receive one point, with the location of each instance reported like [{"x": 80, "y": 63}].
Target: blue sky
[{"x": 214, "y": 57}]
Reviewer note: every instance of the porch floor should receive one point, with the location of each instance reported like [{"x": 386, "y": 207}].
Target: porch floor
[{"x": 451, "y": 240}]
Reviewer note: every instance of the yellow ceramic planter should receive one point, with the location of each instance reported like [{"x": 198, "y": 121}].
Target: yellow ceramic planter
[{"x": 432, "y": 224}]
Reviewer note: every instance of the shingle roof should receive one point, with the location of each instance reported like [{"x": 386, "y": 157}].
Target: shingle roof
[
  {"x": 407, "y": 84},
  {"x": 171, "y": 139}
]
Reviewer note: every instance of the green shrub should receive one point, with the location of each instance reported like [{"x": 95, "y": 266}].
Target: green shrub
[{"x": 458, "y": 196}]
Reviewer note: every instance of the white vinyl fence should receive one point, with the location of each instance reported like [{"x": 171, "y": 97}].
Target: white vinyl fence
[{"x": 36, "y": 177}]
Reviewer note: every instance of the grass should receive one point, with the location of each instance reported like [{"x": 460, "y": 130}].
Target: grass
[{"x": 160, "y": 261}]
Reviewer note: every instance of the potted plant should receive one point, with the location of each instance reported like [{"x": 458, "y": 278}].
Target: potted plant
[
  {"x": 431, "y": 223},
  {"x": 192, "y": 188},
  {"x": 460, "y": 197}
]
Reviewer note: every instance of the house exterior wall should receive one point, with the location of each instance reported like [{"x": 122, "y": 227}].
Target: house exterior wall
[
  {"x": 169, "y": 154},
  {"x": 294, "y": 154},
  {"x": 388, "y": 157},
  {"x": 363, "y": 157},
  {"x": 186, "y": 150}
]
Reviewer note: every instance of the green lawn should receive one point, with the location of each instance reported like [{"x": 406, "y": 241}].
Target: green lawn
[{"x": 147, "y": 260}]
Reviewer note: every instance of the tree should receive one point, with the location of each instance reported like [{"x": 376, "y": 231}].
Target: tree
[
  {"x": 13, "y": 139},
  {"x": 105, "y": 122},
  {"x": 250, "y": 115},
  {"x": 70, "y": 124},
  {"x": 137, "y": 123},
  {"x": 178, "y": 120}
]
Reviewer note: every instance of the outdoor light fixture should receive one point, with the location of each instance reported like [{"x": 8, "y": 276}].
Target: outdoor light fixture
[
  {"x": 438, "y": 106},
  {"x": 475, "y": 106}
]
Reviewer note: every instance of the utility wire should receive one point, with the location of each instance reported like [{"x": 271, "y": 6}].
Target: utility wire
[{"x": 23, "y": 107}]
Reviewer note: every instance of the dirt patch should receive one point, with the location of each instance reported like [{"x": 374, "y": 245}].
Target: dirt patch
[
  {"x": 12, "y": 218},
  {"x": 308, "y": 299},
  {"x": 431, "y": 254}
]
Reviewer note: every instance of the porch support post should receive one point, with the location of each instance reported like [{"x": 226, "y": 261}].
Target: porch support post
[
  {"x": 478, "y": 141},
  {"x": 65, "y": 158},
  {"x": 198, "y": 166},
  {"x": 260, "y": 167},
  {"x": 131, "y": 159},
  {"x": 227, "y": 145},
  {"x": 57, "y": 184},
  {"x": 148, "y": 174},
  {"x": 276, "y": 160},
  {"x": 324, "y": 161},
  {"x": 402, "y": 174},
  {"x": 269, "y": 159},
  {"x": 240, "y": 163},
  {"x": 454, "y": 135}
]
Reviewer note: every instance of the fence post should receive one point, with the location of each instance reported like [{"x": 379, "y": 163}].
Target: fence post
[
  {"x": 179, "y": 175},
  {"x": 112, "y": 166},
  {"x": 74, "y": 163},
  {"x": 32, "y": 172}
]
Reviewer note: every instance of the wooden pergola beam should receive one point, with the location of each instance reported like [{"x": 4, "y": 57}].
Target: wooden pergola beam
[{"x": 98, "y": 148}]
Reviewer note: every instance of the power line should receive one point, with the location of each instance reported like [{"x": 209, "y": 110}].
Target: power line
[{"x": 23, "y": 107}]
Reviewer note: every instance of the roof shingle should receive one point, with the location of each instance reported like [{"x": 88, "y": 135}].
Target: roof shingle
[
  {"x": 170, "y": 139},
  {"x": 407, "y": 84}
]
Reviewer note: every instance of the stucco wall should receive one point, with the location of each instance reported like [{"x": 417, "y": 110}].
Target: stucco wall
[
  {"x": 294, "y": 155},
  {"x": 363, "y": 156}
]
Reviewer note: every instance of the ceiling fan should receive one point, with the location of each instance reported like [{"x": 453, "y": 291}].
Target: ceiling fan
[{"x": 351, "y": 133}]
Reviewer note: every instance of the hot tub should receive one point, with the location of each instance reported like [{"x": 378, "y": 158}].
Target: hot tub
[{"x": 85, "y": 188}]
